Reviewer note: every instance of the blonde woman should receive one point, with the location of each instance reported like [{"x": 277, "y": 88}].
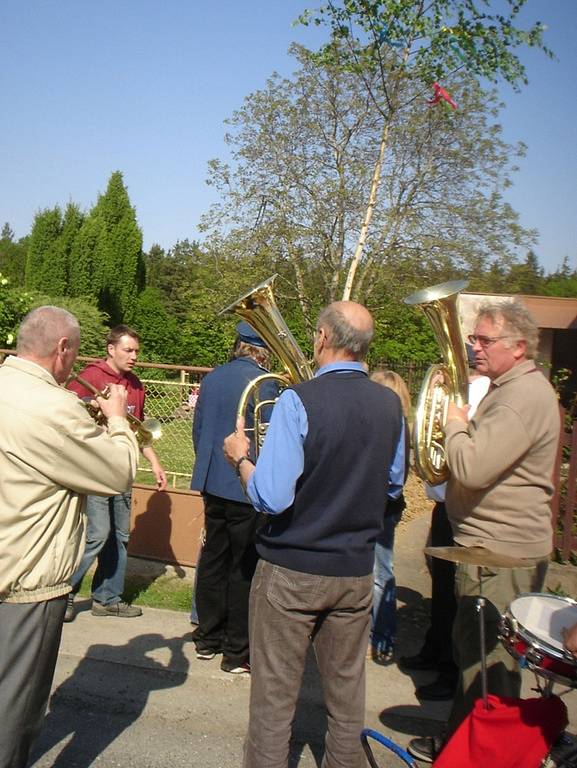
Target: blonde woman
[{"x": 384, "y": 624}]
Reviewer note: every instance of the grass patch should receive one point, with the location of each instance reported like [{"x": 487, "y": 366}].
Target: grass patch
[{"x": 168, "y": 592}]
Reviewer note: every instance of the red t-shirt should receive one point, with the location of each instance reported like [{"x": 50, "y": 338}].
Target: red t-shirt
[{"x": 100, "y": 374}]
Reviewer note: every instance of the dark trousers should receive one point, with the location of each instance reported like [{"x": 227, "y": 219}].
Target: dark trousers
[
  {"x": 438, "y": 640},
  {"x": 499, "y": 587},
  {"x": 224, "y": 575},
  {"x": 29, "y": 641}
]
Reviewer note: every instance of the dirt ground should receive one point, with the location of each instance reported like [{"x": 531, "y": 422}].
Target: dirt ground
[{"x": 417, "y": 503}]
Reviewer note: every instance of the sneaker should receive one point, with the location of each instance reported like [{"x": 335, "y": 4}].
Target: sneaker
[
  {"x": 234, "y": 668},
  {"x": 121, "y": 610},
  {"x": 425, "y": 748},
  {"x": 69, "y": 615},
  {"x": 379, "y": 654},
  {"x": 205, "y": 653}
]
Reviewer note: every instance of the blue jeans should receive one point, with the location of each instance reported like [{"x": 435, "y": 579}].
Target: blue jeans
[
  {"x": 384, "y": 615},
  {"x": 107, "y": 533}
]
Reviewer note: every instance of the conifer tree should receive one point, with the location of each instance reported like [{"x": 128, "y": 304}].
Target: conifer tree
[
  {"x": 82, "y": 281},
  {"x": 118, "y": 264},
  {"x": 45, "y": 261}
]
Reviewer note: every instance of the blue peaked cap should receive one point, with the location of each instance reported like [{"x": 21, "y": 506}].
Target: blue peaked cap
[{"x": 249, "y": 335}]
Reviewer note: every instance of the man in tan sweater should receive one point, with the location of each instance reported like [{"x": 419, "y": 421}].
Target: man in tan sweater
[
  {"x": 498, "y": 495},
  {"x": 51, "y": 454}
]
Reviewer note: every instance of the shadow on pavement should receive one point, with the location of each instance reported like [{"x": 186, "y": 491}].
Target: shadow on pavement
[{"x": 97, "y": 720}]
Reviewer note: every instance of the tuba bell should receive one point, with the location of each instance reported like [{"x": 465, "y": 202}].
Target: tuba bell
[
  {"x": 258, "y": 307},
  {"x": 443, "y": 383}
]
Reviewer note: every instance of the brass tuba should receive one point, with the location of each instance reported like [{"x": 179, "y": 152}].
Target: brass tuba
[
  {"x": 448, "y": 381},
  {"x": 258, "y": 307}
]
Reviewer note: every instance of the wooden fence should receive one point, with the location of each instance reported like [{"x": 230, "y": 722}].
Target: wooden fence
[{"x": 564, "y": 504}]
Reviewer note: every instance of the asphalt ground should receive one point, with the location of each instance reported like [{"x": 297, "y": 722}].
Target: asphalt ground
[{"x": 130, "y": 692}]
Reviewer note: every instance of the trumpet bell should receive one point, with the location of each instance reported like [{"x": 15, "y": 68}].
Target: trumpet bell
[{"x": 148, "y": 431}]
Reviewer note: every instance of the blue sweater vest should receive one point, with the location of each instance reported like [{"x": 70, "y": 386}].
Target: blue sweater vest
[{"x": 354, "y": 426}]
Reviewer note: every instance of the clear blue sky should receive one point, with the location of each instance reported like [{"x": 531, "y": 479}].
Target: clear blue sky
[{"x": 143, "y": 86}]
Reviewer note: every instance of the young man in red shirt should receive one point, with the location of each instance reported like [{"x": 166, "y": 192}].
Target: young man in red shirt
[{"x": 108, "y": 524}]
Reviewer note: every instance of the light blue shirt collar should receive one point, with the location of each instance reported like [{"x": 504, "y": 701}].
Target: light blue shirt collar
[{"x": 342, "y": 365}]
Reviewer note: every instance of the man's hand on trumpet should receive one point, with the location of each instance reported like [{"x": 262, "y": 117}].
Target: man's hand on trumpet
[{"x": 115, "y": 402}]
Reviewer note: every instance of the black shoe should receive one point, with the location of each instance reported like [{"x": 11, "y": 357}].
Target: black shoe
[
  {"x": 425, "y": 748},
  {"x": 206, "y": 654},
  {"x": 439, "y": 690},
  {"x": 418, "y": 662},
  {"x": 70, "y": 613},
  {"x": 234, "y": 668},
  {"x": 120, "y": 610}
]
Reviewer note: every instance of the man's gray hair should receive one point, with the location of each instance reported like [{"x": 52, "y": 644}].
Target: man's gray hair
[
  {"x": 518, "y": 323},
  {"x": 343, "y": 335},
  {"x": 242, "y": 349},
  {"x": 41, "y": 329}
]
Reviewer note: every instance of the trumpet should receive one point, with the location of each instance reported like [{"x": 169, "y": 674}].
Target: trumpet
[{"x": 146, "y": 431}]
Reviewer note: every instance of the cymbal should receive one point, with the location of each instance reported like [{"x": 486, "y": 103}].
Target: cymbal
[{"x": 477, "y": 556}]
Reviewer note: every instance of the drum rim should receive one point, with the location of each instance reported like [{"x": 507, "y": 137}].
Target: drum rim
[{"x": 530, "y": 637}]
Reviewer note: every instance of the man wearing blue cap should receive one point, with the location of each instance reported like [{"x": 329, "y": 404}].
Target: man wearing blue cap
[{"x": 228, "y": 558}]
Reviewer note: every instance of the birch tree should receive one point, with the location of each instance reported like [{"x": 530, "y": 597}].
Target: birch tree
[{"x": 387, "y": 43}]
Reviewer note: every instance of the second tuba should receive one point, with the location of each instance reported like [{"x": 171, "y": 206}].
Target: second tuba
[
  {"x": 258, "y": 307},
  {"x": 445, "y": 382}
]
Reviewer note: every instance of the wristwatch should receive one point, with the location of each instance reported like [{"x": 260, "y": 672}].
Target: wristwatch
[{"x": 239, "y": 462}]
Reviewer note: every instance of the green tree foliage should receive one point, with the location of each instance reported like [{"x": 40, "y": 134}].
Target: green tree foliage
[
  {"x": 562, "y": 282},
  {"x": 174, "y": 273},
  {"x": 158, "y": 330},
  {"x": 433, "y": 38},
  {"x": 12, "y": 256},
  {"x": 526, "y": 277},
  {"x": 117, "y": 265},
  {"x": 81, "y": 277},
  {"x": 46, "y": 268},
  {"x": 14, "y": 304}
]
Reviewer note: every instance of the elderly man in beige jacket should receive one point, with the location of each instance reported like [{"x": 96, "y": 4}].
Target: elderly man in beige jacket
[{"x": 51, "y": 454}]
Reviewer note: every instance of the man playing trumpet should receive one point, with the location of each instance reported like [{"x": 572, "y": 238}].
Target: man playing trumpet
[{"x": 51, "y": 454}]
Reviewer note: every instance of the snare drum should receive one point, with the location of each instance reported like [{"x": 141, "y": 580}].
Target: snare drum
[{"x": 532, "y": 632}]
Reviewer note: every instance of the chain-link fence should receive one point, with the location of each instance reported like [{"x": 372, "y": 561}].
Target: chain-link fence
[
  {"x": 172, "y": 403},
  {"x": 171, "y": 394}
]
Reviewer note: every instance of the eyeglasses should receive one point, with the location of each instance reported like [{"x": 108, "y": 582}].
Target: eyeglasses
[{"x": 484, "y": 341}]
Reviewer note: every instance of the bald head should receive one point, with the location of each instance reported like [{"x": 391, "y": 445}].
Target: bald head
[
  {"x": 50, "y": 337},
  {"x": 348, "y": 327},
  {"x": 42, "y": 328}
]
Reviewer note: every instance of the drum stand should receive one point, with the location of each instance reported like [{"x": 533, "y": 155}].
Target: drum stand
[{"x": 481, "y": 612}]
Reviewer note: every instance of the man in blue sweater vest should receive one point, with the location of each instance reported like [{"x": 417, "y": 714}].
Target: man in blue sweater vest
[{"x": 333, "y": 451}]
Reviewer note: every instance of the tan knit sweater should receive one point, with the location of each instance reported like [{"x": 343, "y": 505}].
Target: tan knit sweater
[{"x": 501, "y": 464}]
